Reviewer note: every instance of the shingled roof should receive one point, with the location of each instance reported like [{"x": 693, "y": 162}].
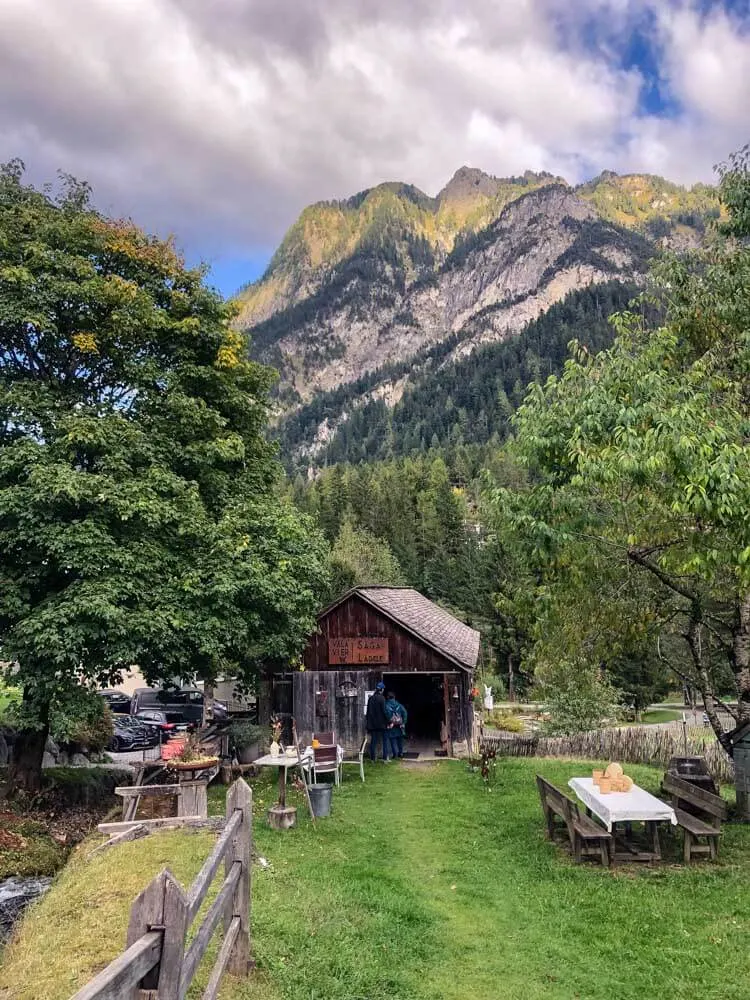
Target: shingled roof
[{"x": 424, "y": 619}]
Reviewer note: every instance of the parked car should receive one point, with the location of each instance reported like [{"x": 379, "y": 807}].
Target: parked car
[
  {"x": 130, "y": 734},
  {"x": 118, "y": 701},
  {"x": 161, "y": 723},
  {"x": 179, "y": 704}
]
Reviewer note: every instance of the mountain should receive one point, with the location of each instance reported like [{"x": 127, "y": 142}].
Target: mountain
[
  {"x": 466, "y": 401},
  {"x": 363, "y": 292}
]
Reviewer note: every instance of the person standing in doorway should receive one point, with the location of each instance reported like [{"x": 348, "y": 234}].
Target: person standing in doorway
[
  {"x": 376, "y": 721},
  {"x": 396, "y": 725}
]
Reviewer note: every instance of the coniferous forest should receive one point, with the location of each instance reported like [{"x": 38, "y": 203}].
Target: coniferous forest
[{"x": 453, "y": 401}]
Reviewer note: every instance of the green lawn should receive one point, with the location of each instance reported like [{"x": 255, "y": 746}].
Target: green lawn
[
  {"x": 425, "y": 886},
  {"x": 653, "y": 715}
]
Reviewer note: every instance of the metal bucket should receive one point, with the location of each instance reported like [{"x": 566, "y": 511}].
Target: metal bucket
[{"x": 320, "y": 799}]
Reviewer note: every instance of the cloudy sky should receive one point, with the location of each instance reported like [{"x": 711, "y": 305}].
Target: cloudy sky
[{"x": 218, "y": 120}]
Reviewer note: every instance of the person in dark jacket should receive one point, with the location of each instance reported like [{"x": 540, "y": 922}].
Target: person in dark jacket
[
  {"x": 396, "y": 725},
  {"x": 376, "y": 721}
]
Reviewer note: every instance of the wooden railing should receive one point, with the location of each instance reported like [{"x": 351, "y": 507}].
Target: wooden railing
[{"x": 158, "y": 958}]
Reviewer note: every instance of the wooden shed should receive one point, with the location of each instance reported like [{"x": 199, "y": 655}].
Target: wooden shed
[{"x": 394, "y": 634}]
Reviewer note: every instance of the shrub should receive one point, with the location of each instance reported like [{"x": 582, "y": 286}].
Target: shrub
[
  {"x": 507, "y": 721},
  {"x": 85, "y": 721},
  {"x": 27, "y": 849},
  {"x": 82, "y": 786},
  {"x": 244, "y": 733}
]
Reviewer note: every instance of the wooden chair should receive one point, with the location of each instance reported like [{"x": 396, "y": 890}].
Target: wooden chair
[
  {"x": 325, "y": 761},
  {"x": 326, "y": 739},
  {"x": 587, "y": 838},
  {"x": 356, "y": 757},
  {"x": 699, "y": 813}
]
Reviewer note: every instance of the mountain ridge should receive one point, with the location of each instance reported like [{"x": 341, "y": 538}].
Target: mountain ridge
[{"x": 386, "y": 275}]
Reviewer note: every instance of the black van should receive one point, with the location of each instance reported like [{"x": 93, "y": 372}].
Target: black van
[{"x": 178, "y": 704}]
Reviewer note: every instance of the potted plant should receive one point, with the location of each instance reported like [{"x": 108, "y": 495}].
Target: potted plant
[
  {"x": 276, "y": 727},
  {"x": 246, "y": 739},
  {"x": 192, "y": 757}
]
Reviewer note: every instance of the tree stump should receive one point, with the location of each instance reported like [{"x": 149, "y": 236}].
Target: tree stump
[{"x": 282, "y": 817}]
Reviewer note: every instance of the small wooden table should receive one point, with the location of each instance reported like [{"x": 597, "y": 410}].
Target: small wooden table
[
  {"x": 623, "y": 809},
  {"x": 281, "y": 816}
]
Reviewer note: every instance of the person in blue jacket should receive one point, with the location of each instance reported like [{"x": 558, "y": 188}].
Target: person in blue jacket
[{"x": 396, "y": 725}]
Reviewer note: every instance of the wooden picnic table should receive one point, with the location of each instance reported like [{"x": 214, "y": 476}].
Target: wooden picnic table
[{"x": 619, "y": 810}]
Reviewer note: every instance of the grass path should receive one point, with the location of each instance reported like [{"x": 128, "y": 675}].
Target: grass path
[{"x": 424, "y": 886}]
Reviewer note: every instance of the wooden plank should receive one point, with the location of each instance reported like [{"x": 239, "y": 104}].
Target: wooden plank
[
  {"x": 131, "y": 808},
  {"x": 212, "y": 989},
  {"x": 205, "y": 932},
  {"x": 240, "y": 798},
  {"x": 695, "y": 825},
  {"x": 121, "y": 977},
  {"x": 126, "y": 791},
  {"x": 146, "y": 914},
  {"x": 176, "y": 923},
  {"x": 193, "y": 800},
  {"x": 696, "y": 796},
  {"x": 197, "y": 892},
  {"x": 154, "y": 824},
  {"x": 135, "y": 832}
]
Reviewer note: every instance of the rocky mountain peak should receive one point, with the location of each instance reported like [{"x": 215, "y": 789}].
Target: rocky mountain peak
[{"x": 468, "y": 182}]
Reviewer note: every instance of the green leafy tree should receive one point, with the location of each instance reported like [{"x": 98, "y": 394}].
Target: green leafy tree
[
  {"x": 359, "y": 558},
  {"x": 643, "y": 457},
  {"x": 140, "y": 518}
]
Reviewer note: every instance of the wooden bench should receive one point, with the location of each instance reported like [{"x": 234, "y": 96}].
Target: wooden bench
[
  {"x": 587, "y": 838},
  {"x": 699, "y": 813}
]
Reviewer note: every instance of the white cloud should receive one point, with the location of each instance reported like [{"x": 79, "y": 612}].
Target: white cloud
[{"x": 221, "y": 119}]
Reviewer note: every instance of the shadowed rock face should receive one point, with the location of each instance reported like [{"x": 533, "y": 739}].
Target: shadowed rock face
[{"x": 508, "y": 273}]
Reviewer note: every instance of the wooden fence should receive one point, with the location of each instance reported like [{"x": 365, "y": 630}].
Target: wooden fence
[
  {"x": 158, "y": 959},
  {"x": 632, "y": 745}
]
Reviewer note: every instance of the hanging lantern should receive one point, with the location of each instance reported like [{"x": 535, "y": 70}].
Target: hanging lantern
[
  {"x": 347, "y": 688},
  {"x": 455, "y": 691}
]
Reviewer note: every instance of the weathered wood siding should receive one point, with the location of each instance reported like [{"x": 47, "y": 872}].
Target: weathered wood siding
[
  {"x": 329, "y": 697},
  {"x": 322, "y": 702},
  {"x": 354, "y": 617}
]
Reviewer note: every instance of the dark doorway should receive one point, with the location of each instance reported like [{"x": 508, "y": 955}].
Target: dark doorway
[{"x": 422, "y": 697}]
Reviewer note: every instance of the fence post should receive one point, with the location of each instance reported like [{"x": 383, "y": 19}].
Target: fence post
[
  {"x": 147, "y": 913},
  {"x": 241, "y": 849},
  {"x": 176, "y": 921}
]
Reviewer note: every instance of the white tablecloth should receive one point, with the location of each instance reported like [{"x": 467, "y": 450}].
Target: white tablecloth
[
  {"x": 281, "y": 760},
  {"x": 637, "y": 805}
]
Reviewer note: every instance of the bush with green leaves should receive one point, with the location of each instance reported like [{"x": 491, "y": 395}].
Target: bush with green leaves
[
  {"x": 83, "y": 720},
  {"x": 507, "y": 721},
  {"x": 244, "y": 733}
]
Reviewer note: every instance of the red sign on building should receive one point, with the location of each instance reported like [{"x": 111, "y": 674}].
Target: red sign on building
[{"x": 357, "y": 650}]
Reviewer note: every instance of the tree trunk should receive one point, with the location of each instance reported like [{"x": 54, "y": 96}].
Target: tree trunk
[
  {"x": 741, "y": 664},
  {"x": 28, "y": 751},
  {"x": 511, "y": 679},
  {"x": 741, "y": 658}
]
